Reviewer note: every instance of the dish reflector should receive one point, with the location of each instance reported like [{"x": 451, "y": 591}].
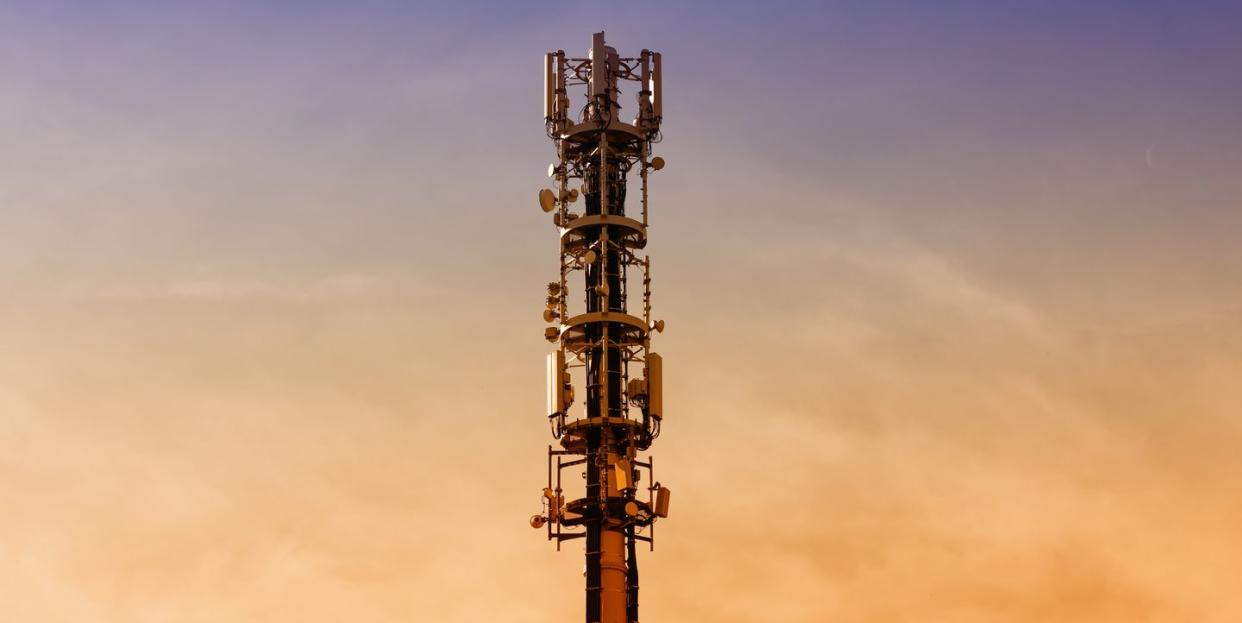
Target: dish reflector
[{"x": 547, "y": 200}]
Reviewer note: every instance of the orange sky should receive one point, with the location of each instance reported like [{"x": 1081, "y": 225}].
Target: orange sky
[{"x": 954, "y": 325}]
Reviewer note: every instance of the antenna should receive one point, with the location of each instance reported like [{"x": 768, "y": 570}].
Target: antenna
[{"x": 622, "y": 408}]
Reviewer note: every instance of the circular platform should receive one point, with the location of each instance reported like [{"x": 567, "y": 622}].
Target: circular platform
[
  {"x": 623, "y": 329},
  {"x": 580, "y": 232}
]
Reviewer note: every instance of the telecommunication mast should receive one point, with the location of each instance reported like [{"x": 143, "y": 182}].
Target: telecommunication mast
[{"x": 600, "y": 347}]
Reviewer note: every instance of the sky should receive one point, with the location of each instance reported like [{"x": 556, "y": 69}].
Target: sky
[{"x": 952, "y": 293}]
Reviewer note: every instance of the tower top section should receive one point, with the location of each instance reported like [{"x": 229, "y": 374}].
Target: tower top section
[{"x": 601, "y": 73}]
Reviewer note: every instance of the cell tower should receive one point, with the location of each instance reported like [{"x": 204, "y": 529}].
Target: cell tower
[{"x": 601, "y": 346}]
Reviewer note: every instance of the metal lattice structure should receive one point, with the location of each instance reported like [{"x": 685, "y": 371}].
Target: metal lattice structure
[{"x": 601, "y": 346}]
